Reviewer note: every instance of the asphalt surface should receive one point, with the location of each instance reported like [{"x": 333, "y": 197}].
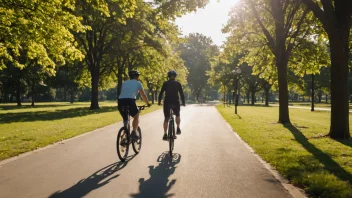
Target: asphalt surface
[{"x": 209, "y": 161}]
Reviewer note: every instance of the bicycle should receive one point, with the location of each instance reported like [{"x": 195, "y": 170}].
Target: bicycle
[
  {"x": 171, "y": 132},
  {"x": 123, "y": 137}
]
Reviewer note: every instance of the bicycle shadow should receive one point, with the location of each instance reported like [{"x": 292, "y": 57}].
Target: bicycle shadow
[
  {"x": 94, "y": 181},
  {"x": 158, "y": 184}
]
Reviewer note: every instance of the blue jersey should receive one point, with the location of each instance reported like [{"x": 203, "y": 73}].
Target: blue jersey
[{"x": 130, "y": 89}]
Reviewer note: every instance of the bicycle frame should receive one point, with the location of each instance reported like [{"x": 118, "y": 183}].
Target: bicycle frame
[
  {"x": 127, "y": 113},
  {"x": 125, "y": 132},
  {"x": 171, "y": 119}
]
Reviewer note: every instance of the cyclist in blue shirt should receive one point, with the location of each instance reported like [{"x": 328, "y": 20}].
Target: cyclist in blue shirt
[
  {"x": 172, "y": 89},
  {"x": 129, "y": 91}
]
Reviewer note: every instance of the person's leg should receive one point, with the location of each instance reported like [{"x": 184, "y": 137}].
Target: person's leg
[
  {"x": 166, "y": 119},
  {"x": 178, "y": 121},
  {"x": 178, "y": 118},
  {"x": 165, "y": 125},
  {"x": 135, "y": 122},
  {"x": 121, "y": 106},
  {"x": 135, "y": 114}
]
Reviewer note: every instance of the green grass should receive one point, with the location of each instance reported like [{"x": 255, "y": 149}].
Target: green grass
[
  {"x": 300, "y": 152},
  {"x": 308, "y": 104},
  {"x": 26, "y": 128}
]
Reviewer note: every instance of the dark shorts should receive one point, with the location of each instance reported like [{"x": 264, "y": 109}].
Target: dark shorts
[
  {"x": 175, "y": 108},
  {"x": 132, "y": 107}
]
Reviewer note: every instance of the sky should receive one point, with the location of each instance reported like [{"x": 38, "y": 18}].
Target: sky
[{"x": 208, "y": 21}]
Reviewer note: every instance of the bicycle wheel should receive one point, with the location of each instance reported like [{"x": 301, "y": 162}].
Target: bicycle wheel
[
  {"x": 171, "y": 137},
  {"x": 137, "y": 145},
  {"x": 122, "y": 144}
]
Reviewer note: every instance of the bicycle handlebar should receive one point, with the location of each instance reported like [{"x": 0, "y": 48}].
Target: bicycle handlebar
[{"x": 142, "y": 107}]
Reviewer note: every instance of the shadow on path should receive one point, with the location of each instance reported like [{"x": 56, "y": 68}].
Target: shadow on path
[
  {"x": 324, "y": 158},
  {"x": 93, "y": 182},
  {"x": 158, "y": 184}
]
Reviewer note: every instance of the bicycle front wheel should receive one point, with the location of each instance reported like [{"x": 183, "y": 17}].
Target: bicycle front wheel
[
  {"x": 122, "y": 143},
  {"x": 137, "y": 144}
]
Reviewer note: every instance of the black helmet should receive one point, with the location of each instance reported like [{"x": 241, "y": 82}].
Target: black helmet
[
  {"x": 133, "y": 73},
  {"x": 171, "y": 73}
]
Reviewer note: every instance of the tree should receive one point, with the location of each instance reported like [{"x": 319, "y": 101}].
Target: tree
[
  {"x": 39, "y": 30},
  {"x": 66, "y": 78},
  {"x": 104, "y": 20},
  {"x": 311, "y": 56},
  {"x": 276, "y": 25},
  {"x": 197, "y": 53},
  {"x": 336, "y": 19},
  {"x": 251, "y": 83}
]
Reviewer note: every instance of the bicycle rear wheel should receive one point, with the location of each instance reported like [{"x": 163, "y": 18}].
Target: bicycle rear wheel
[
  {"x": 171, "y": 137},
  {"x": 137, "y": 145},
  {"x": 122, "y": 144}
]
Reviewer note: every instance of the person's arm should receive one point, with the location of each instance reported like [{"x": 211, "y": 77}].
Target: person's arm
[
  {"x": 161, "y": 93},
  {"x": 180, "y": 90},
  {"x": 144, "y": 96}
]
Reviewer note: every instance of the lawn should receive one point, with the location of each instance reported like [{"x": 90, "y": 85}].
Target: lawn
[
  {"x": 308, "y": 104},
  {"x": 26, "y": 128},
  {"x": 300, "y": 152}
]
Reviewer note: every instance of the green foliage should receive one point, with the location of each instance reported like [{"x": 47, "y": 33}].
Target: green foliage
[
  {"x": 172, "y": 9},
  {"x": 39, "y": 30},
  {"x": 309, "y": 51},
  {"x": 197, "y": 53},
  {"x": 110, "y": 36}
]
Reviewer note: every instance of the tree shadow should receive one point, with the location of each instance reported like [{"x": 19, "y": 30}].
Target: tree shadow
[
  {"x": 93, "y": 182},
  {"x": 28, "y": 106},
  {"x": 346, "y": 142},
  {"x": 256, "y": 105},
  {"x": 158, "y": 184},
  {"x": 52, "y": 115},
  {"x": 325, "y": 159}
]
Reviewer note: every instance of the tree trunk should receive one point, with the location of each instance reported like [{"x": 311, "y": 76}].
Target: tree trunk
[
  {"x": 153, "y": 97},
  {"x": 18, "y": 93},
  {"x": 156, "y": 95},
  {"x": 253, "y": 97},
  {"x": 197, "y": 96},
  {"x": 339, "y": 128},
  {"x": 94, "y": 102},
  {"x": 65, "y": 94},
  {"x": 247, "y": 95},
  {"x": 33, "y": 94},
  {"x": 326, "y": 98},
  {"x": 224, "y": 97},
  {"x": 283, "y": 90},
  {"x": 119, "y": 81},
  {"x": 320, "y": 95},
  {"x": 313, "y": 91},
  {"x": 266, "y": 97},
  {"x": 72, "y": 97}
]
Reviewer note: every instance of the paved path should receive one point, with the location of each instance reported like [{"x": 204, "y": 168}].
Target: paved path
[{"x": 210, "y": 162}]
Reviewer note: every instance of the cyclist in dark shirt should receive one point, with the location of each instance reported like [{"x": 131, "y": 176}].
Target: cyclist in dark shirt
[{"x": 171, "y": 88}]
